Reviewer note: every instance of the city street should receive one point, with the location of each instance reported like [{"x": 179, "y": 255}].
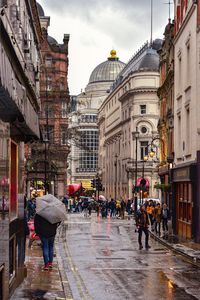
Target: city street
[{"x": 102, "y": 261}]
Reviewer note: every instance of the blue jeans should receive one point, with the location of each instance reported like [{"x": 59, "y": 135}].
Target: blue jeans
[{"x": 47, "y": 247}]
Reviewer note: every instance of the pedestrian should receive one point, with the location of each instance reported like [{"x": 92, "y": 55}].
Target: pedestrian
[
  {"x": 85, "y": 207},
  {"x": 128, "y": 207},
  {"x": 158, "y": 218},
  {"x": 122, "y": 208},
  {"x": 118, "y": 208},
  {"x": 150, "y": 210},
  {"x": 112, "y": 208},
  {"x": 47, "y": 232},
  {"x": 165, "y": 218},
  {"x": 142, "y": 223}
]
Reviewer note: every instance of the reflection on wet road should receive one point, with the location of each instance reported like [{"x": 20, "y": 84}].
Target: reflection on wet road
[{"x": 102, "y": 261}]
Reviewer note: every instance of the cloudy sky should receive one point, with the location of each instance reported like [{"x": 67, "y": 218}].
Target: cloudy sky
[{"x": 97, "y": 26}]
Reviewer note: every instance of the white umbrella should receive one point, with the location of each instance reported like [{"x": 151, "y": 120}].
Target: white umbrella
[
  {"x": 102, "y": 197},
  {"x": 50, "y": 208}
]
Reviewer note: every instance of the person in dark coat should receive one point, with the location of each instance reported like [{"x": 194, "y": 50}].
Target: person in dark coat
[
  {"x": 142, "y": 223},
  {"x": 47, "y": 232}
]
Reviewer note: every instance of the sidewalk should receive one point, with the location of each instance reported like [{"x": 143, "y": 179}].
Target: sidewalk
[
  {"x": 40, "y": 284},
  {"x": 187, "y": 248}
]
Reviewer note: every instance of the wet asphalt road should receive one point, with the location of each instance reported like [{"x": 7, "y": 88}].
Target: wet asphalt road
[{"x": 102, "y": 261}]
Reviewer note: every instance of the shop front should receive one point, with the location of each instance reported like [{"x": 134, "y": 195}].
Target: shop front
[{"x": 184, "y": 199}]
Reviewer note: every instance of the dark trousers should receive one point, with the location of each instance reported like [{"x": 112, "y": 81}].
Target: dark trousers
[
  {"x": 157, "y": 227},
  {"x": 151, "y": 219},
  {"x": 165, "y": 224},
  {"x": 146, "y": 232},
  {"x": 47, "y": 247}
]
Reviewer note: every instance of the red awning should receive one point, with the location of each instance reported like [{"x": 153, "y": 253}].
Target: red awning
[
  {"x": 139, "y": 182},
  {"x": 73, "y": 188}
]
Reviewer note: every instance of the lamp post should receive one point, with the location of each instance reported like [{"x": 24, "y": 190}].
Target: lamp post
[
  {"x": 135, "y": 136},
  {"x": 143, "y": 181},
  {"x": 115, "y": 164}
]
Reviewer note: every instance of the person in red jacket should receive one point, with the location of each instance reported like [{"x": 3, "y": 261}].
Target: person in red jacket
[{"x": 47, "y": 232}]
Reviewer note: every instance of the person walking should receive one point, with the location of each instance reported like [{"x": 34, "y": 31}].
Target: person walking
[
  {"x": 165, "y": 218},
  {"x": 47, "y": 232},
  {"x": 157, "y": 217},
  {"x": 142, "y": 223},
  {"x": 150, "y": 210},
  {"x": 122, "y": 209},
  {"x": 112, "y": 208}
]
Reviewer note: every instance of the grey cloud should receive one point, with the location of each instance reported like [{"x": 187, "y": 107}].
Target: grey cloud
[{"x": 132, "y": 17}]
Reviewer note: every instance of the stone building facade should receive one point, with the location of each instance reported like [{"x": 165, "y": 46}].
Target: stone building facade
[
  {"x": 20, "y": 39},
  {"x": 166, "y": 121},
  {"x": 47, "y": 161},
  {"x": 186, "y": 172},
  {"x": 132, "y": 104}
]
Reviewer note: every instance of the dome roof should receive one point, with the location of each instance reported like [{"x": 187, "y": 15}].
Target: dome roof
[
  {"x": 150, "y": 61},
  {"x": 51, "y": 40},
  {"x": 40, "y": 10},
  {"x": 108, "y": 70}
]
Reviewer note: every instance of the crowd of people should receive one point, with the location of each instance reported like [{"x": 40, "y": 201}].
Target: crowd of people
[
  {"x": 151, "y": 214},
  {"x": 103, "y": 207}
]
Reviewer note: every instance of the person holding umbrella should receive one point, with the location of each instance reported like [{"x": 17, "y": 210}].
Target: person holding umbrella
[{"x": 49, "y": 213}]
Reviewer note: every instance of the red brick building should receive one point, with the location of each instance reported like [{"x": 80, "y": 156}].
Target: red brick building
[{"x": 47, "y": 162}]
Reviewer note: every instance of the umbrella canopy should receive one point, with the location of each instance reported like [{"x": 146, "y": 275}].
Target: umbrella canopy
[
  {"x": 73, "y": 188},
  {"x": 102, "y": 197},
  {"x": 50, "y": 208}
]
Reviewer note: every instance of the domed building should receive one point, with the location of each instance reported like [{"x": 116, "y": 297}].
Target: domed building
[{"x": 84, "y": 166}]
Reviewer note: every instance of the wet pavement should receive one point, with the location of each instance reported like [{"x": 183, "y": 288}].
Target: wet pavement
[
  {"x": 102, "y": 261},
  {"x": 40, "y": 284},
  {"x": 99, "y": 259}
]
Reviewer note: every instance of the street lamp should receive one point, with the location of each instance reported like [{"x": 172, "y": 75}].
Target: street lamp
[
  {"x": 143, "y": 181},
  {"x": 115, "y": 164},
  {"x": 135, "y": 136}
]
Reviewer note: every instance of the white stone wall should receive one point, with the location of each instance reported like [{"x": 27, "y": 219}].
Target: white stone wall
[
  {"x": 186, "y": 92},
  {"x": 121, "y": 110}
]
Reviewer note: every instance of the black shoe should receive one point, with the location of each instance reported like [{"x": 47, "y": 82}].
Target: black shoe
[
  {"x": 140, "y": 247},
  {"x": 147, "y": 247}
]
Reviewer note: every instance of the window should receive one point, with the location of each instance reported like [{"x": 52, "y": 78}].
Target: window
[
  {"x": 89, "y": 151},
  {"x": 143, "y": 109},
  {"x": 48, "y": 61},
  {"x": 48, "y": 111},
  {"x": 188, "y": 129},
  {"x": 64, "y": 136},
  {"x": 64, "y": 109},
  {"x": 143, "y": 130},
  {"x": 48, "y": 133},
  {"x": 143, "y": 149},
  {"x": 49, "y": 83},
  {"x": 62, "y": 85}
]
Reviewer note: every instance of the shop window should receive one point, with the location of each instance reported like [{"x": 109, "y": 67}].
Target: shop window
[{"x": 184, "y": 194}]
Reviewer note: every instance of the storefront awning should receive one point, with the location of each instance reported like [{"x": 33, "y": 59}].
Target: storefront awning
[{"x": 139, "y": 182}]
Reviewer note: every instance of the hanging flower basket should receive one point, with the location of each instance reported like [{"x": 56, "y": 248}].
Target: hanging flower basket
[{"x": 163, "y": 187}]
